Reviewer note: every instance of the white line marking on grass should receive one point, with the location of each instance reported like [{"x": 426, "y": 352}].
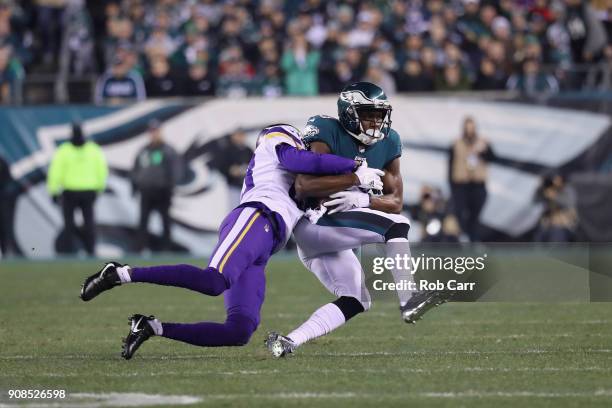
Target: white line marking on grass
[
  {"x": 428, "y": 394},
  {"x": 113, "y": 399},
  {"x": 458, "y": 352},
  {"x": 433, "y": 394},
  {"x": 516, "y": 394},
  {"x": 333, "y": 354},
  {"x": 201, "y": 373}
]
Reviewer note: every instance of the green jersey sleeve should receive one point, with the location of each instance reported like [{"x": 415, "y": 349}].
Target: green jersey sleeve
[
  {"x": 322, "y": 129},
  {"x": 395, "y": 147}
]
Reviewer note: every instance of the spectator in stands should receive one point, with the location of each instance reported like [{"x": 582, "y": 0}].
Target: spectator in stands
[
  {"x": 412, "y": 78},
  {"x": 7, "y": 242},
  {"x": 232, "y": 157},
  {"x": 120, "y": 31},
  {"x": 469, "y": 157},
  {"x": 11, "y": 77},
  {"x": 532, "y": 82},
  {"x": 347, "y": 36},
  {"x": 77, "y": 174},
  {"x": 331, "y": 53},
  {"x": 50, "y": 25},
  {"x": 271, "y": 83},
  {"x": 559, "y": 218},
  {"x": 77, "y": 51},
  {"x": 587, "y": 33},
  {"x": 489, "y": 76},
  {"x": 156, "y": 171},
  {"x": 120, "y": 84},
  {"x": 301, "y": 64},
  {"x": 199, "y": 81},
  {"x": 376, "y": 74},
  {"x": 236, "y": 74},
  {"x": 454, "y": 79},
  {"x": 161, "y": 81}
]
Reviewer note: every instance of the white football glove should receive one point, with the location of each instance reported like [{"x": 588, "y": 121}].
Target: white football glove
[
  {"x": 346, "y": 200},
  {"x": 369, "y": 179},
  {"x": 313, "y": 215}
]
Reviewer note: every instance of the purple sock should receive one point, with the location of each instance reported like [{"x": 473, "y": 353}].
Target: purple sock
[
  {"x": 236, "y": 331},
  {"x": 207, "y": 281}
]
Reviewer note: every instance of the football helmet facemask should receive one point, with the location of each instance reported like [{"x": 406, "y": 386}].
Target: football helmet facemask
[{"x": 365, "y": 112}]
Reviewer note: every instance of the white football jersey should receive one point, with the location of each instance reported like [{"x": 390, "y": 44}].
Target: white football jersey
[{"x": 267, "y": 182}]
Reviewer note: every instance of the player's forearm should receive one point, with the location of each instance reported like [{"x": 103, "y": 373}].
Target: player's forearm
[
  {"x": 321, "y": 187},
  {"x": 388, "y": 203},
  {"x": 306, "y": 162}
]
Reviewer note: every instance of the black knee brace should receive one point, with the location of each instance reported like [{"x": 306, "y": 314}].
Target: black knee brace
[
  {"x": 349, "y": 306},
  {"x": 397, "y": 230}
]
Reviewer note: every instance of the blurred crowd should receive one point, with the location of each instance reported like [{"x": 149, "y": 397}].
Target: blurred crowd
[{"x": 272, "y": 47}]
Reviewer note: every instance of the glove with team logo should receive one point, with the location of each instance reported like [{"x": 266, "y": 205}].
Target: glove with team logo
[
  {"x": 369, "y": 179},
  {"x": 347, "y": 200}
]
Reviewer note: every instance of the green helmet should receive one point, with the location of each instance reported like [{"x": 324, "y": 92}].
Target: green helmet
[{"x": 360, "y": 100}]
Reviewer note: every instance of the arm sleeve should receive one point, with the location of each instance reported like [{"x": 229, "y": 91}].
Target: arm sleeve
[
  {"x": 395, "y": 148},
  {"x": 176, "y": 169},
  {"x": 54, "y": 177},
  {"x": 102, "y": 171},
  {"x": 304, "y": 161}
]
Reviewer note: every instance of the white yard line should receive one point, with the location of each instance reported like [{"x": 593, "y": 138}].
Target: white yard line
[
  {"x": 320, "y": 371},
  {"x": 113, "y": 399},
  {"x": 328, "y": 354},
  {"x": 91, "y": 400}
]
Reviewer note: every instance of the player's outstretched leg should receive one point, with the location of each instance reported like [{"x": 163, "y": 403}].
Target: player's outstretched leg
[
  {"x": 141, "y": 329},
  {"x": 207, "y": 281},
  {"x": 105, "y": 279}
]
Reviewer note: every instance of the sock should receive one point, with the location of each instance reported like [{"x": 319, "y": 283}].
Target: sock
[
  {"x": 124, "y": 274},
  {"x": 157, "y": 327},
  {"x": 400, "y": 246},
  {"x": 324, "y": 320},
  {"x": 236, "y": 331},
  {"x": 207, "y": 281}
]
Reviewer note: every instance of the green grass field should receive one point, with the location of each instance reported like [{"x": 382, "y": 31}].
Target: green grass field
[{"x": 470, "y": 355}]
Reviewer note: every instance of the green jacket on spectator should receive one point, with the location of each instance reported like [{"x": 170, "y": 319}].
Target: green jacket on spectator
[{"x": 301, "y": 79}]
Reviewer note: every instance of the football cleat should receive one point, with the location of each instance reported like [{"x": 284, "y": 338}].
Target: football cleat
[
  {"x": 107, "y": 278},
  {"x": 140, "y": 331},
  {"x": 420, "y": 302},
  {"x": 279, "y": 345}
]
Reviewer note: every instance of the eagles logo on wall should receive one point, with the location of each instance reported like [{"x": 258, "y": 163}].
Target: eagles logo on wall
[{"x": 31, "y": 135}]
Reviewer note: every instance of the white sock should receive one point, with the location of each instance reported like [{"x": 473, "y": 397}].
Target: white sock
[
  {"x": 157, "y": 327},
  {"x": 400, "y": 245},
  {"x": 324, "y": 320},
  {"x": 124, "y": 274}
]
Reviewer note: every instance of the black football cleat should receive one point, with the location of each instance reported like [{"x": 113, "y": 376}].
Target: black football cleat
[
  {"x": 279, "y": 345},
  {"x": 140, "y": 331},
  {"x": 420, "y": 302},
  {"x": 107, "y": 278}
]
